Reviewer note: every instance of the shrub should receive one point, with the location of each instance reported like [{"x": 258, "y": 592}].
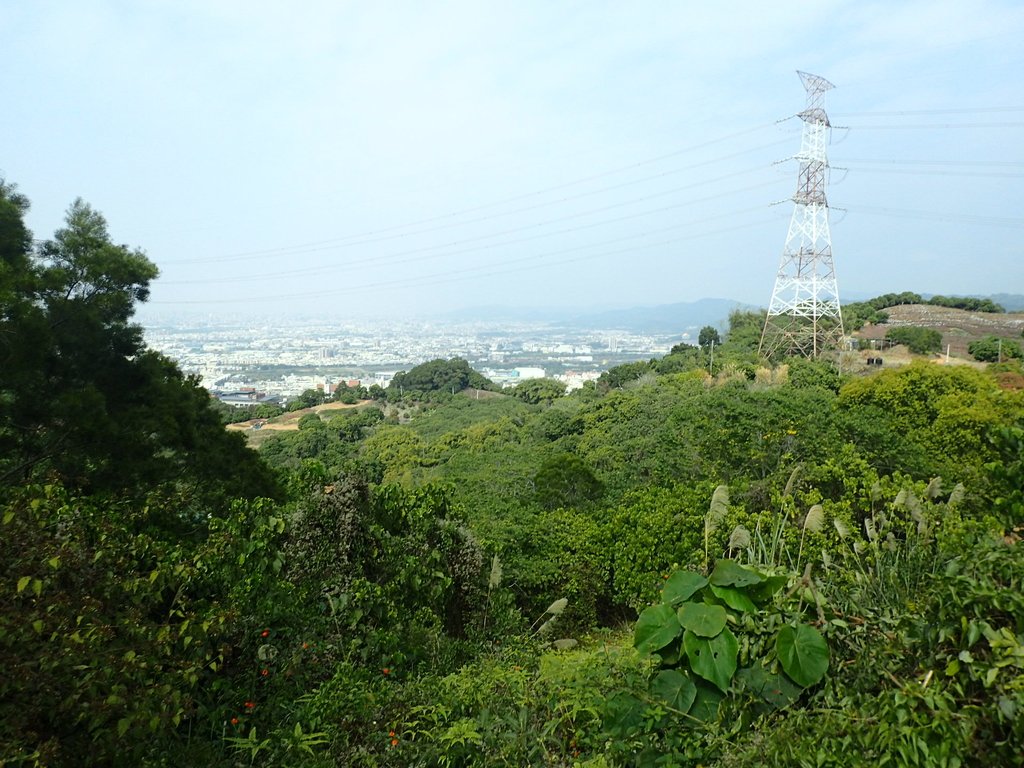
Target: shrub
[
  {"x": 920, "y": 341},
  {"x": 992, "y": 349}
]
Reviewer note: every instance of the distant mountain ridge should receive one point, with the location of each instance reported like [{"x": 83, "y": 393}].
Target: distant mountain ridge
[
  {"x": 1011, "y": 302},
  {"x": 661, "y": 318},
  {"x": 666, "y": 318}
]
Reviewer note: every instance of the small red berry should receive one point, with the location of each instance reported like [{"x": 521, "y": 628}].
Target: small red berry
[
  {"x": 394, "y": 742},
  {"x": 234, "y": 721},
  {"x": 265, "y": 633},
  {"x": 265, "y": 672},
  {"x": 386, "y": 671},
  {"x": 250, "y": 704}
]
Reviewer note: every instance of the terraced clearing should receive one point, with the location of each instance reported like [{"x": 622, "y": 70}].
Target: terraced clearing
[
  {"x": 957, "y": 326},
  {"x": 286, "y": 422}
]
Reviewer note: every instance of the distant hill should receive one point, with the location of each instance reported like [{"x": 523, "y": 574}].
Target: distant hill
[
  {"x": 1011, "y": 302},
  {"x": 957, "y": 326},
  {"x": 663, "y": 318}
]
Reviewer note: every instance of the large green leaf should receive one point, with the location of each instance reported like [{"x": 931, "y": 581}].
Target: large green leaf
[
  {"x": 803, "y": 653},
  {"x": 671, "y": 653},
  {"x": 763, "y": 591},
  {"x": 734, "y": 598},
  {"x": 729, "y": 573},
  {"x": 623, "y": 714},
  {"x": 706, "y": 703},
  {"x": 702, "y": 619},
  {"x": 675, "y": 689},
  {"x": 682, "y": 585},
  {"x": 714, "y": 658},
  {"x": 777, "y": 690},
  {"x": 656, "y": 628}
]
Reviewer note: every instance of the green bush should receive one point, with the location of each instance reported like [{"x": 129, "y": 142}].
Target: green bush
[
  {"x": 993, "y": 349},
  {"x": 920, "y": 341}
]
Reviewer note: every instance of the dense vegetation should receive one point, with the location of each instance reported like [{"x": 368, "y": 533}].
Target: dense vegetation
[
  {"x": 700, "y": 560},
  {"x": 992, "y": 349},
  {"x": 920, "y": 341}
]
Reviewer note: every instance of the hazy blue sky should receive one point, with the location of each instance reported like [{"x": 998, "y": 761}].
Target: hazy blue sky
[{"x": 391, "y": 158}]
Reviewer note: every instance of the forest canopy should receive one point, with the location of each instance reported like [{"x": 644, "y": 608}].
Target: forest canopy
[{"x": 702, "y": 559}]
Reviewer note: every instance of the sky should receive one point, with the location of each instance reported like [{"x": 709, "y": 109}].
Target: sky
[{"x": 392, "y": 159}]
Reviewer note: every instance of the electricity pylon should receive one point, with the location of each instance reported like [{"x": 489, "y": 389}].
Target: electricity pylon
[{"x": 803, "y": 316}]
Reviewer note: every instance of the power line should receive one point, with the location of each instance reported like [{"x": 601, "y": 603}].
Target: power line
[
  {"x": 930, "y": 126},
  {"x": 996, "y": 221},
  {"x": 353, "y": 241},
  {"x": 962, "y": 111},
  {"x": 393, "y": 260},
  {"x": 962, "y": 174},
  {"x": 961, "y": 163},
  {"x": 462, "y": 274},
  {"x": 577, "y": 215}
]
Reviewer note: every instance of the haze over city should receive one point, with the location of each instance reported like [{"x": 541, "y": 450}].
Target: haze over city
[{"x": 384, "y": 160}]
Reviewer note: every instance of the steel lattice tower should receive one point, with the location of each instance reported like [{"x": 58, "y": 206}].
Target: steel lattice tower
[{"x": 803, "y": 317}]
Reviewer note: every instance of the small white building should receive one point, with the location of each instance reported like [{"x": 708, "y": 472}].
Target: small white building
[{"x": 529, "y": 373}]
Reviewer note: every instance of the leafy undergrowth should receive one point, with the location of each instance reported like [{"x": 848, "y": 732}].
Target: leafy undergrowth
[{"x": 932, "y": 675}]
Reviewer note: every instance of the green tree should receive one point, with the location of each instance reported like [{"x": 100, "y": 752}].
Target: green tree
[
  {"x": 992, "y": 349},
  {"x": 311, "y": 421},
  {"x": 745, "y": 330},
  {"x": 566, "y": 481},
  {"x": 920, "y": 341},
  {"x": 81, "y": 398},
  {"x": 535, "y": 391},
  {"x": 708, "y": 336},
  {"x": 682, "y": 357},
  {"x": 310, "y": 398},
  {"x": 440, "y": 375},
  {"x": 620, "y": 375},
  {"x": 813, "y": 373}
]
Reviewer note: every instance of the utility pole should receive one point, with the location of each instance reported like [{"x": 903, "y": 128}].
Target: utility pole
[{"x": 804, "y": 317}]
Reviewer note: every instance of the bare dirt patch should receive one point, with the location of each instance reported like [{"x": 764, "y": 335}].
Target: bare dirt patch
[
  {"x": 287, "y": 422},
  {"x": 957, "y": 326}
]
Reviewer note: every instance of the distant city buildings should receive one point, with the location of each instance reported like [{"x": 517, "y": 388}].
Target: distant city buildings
[{"x": 265, "y": 362}]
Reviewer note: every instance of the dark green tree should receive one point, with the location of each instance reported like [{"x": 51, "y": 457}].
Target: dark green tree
[
  {"x": 745, "y": 330},
  {"x": 81, "y": 398},
  {"x": 682, "y": 357},
  {"x": 992, "y": 349},
  {"x": 566, "y": 481},
  {"x": 920, "y": 341},
  {"x": 309, "y": 398},
  {"x": 708, "y": 336},
  {"x": 311, "y": 421},
  {"x": 813, "y": 373},
  {"x": 536, "y": 391},
  {"x": 440, "y": 375},
  {"x": 620, "y": 375}
]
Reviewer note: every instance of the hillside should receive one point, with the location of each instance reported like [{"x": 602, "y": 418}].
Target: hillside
[
  {"x": 958, "y": 327},
  {"x": 257, "y": 431}
]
